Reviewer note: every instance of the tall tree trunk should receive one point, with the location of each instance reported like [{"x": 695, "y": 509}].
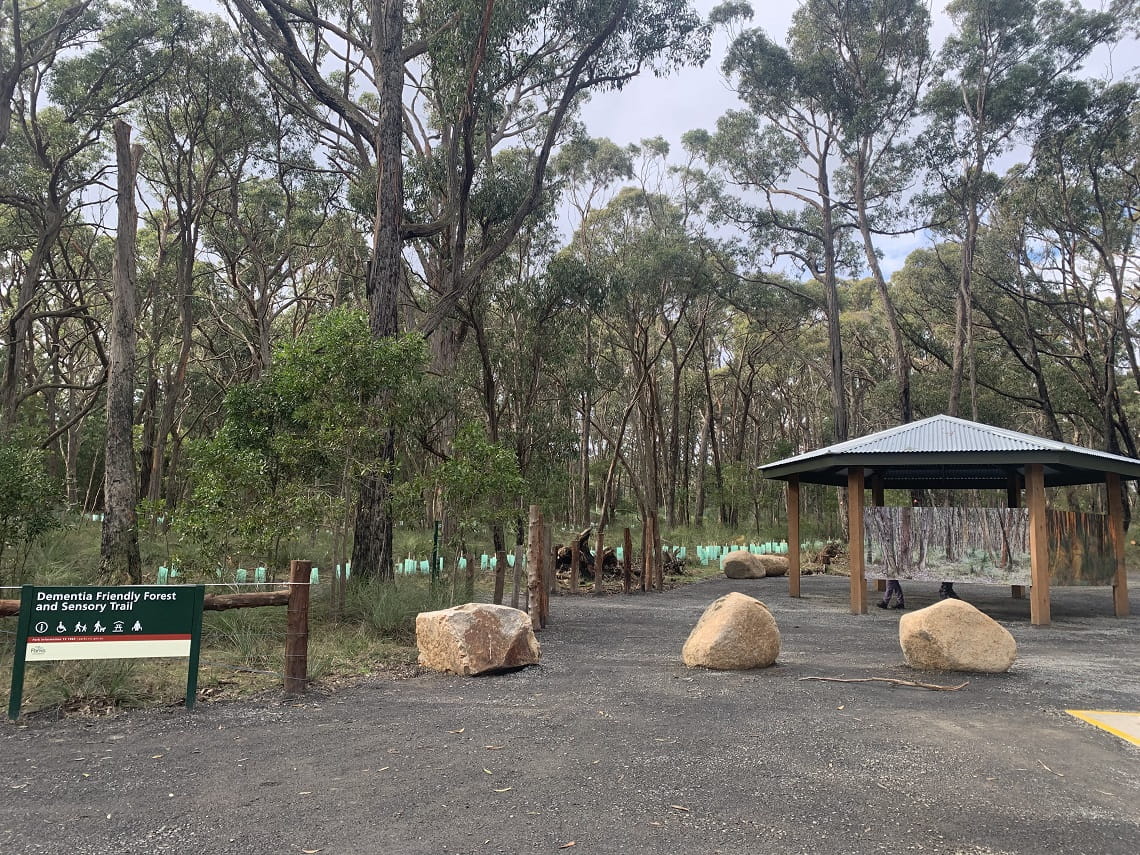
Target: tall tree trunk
[
  {"x": 176, "y": 383},
  {"x": 584, "y": 453},
  {"x": 372, "y": 542},
  {"x": 963, "y": 318},
  {"x": 702, "y": 466},
  {"x": 499, "y": 543},
  {"x": 119, "y": 550},
  {"x": 834, "y": 337},
  {"x": 898, "y": 343},
  {"x": 19, "y": 326}
]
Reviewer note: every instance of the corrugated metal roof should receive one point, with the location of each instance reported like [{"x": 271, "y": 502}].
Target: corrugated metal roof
[
  {"x": 946, "y": 440},
  {"x": 945, "y": 434}
]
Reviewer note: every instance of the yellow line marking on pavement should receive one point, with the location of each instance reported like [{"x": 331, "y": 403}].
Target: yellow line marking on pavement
[{"x": 1126, "y": 725}]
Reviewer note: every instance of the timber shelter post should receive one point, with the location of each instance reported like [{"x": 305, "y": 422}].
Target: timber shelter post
[
  {"x": 855, "y": 500},
  {"x": 1116, "y": 535},
  {"x": 793, "y": 536},
  {"x": 1038, "y": 545}
]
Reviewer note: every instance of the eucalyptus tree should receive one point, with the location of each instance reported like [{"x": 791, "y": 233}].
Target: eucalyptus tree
[
  {"x": 782, "y": 155},
  {"x": 1086, "y": 194},
  {"x": 119, "y": 558},
  {"x": 520, "y": 343},
  {"x": 874, "y": 55},
  {"x": 69, "y": 366},
  {"x": 1055, "y": 267},
  {"x": 274, "y": 239},
  {"x": 483, "y": 73},
  {"x": 203, "y": 127},
  {"x": 656, "y": 284},
  {"x": 31, "y": 38},
  {"x": 1006, "y": 61},
  {"x": 61, "y": 110},
  {"x": 588, "y": 170}
]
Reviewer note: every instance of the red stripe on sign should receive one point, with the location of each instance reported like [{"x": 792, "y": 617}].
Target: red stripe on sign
[{"x": 48, "y": 639}]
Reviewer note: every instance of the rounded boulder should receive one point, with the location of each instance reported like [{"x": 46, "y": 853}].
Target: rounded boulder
[
  {"x": 952, "y": 635},
  {"x": 736, "y": 632},
  {"x": 742, "y": 564},
  {"x": 774, "y": 565},
  {"x": 476, "y": 638}
]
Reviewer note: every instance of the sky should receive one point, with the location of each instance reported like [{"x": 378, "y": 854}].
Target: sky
[
  {"x": 693, "y": 98},
  {"x": 689, "y": 99}
]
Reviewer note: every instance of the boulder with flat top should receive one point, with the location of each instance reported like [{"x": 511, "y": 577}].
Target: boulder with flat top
[
  {"x": 736, "y": 632},
  {"x": 476, "y": 638},
  {"x": 742, "y": 564},
  {"x": 774, "y": 565},
  {"x": 952, "y": 635}
]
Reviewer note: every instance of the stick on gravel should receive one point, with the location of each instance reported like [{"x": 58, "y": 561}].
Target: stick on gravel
[{"x": 934, "y": 687}]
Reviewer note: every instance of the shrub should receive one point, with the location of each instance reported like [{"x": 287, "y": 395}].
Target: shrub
[{"x": 27, "y": 505}]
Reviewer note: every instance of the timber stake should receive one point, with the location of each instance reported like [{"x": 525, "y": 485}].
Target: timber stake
[{"x": 297, "y": 628}]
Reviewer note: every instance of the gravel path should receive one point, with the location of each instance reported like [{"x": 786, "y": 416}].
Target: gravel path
[{"x": 612, "y": 746}]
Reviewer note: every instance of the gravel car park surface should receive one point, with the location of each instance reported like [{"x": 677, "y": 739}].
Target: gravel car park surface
[{"x": 611, "y": 745}]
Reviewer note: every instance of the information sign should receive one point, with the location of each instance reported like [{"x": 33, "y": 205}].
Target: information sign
[{"x": 120, "y": 622}]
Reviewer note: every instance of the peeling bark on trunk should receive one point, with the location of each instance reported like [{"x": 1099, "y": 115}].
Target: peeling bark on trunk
[
  {"x": 119, "y": 550},
  {"x": 372, "y": 544}
]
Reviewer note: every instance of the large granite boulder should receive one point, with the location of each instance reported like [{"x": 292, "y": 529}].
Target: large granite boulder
[
  {"x": 774, "y": 565},
  {"x": 475, "y": 638},
  {"x": 952, "y": 635},
  {"x": 736, "y": 632},
  {"x": 742, "y": 564}
]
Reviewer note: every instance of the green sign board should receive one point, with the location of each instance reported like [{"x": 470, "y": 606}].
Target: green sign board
[{"x": 122, "y": 622}]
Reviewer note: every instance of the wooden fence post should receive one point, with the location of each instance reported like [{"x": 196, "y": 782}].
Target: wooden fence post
[
  {"x": 575, "y": 564},
  {"x": 627, "y": 547},
  {"x": 518, "y": 576},
  {"x": 297, "y": 628},
  {"x": 534, "y": 568},
  {"x": 645, "y": 562},
  {"x": 599, "y": 558}
]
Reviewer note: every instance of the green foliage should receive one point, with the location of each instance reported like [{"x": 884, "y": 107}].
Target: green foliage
[
  {"x": 294, "y": 442},
  {"x": 129, "y": 57},
  {"x": 27, "y": 501},
  {"x": 481, "y": 482}
]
